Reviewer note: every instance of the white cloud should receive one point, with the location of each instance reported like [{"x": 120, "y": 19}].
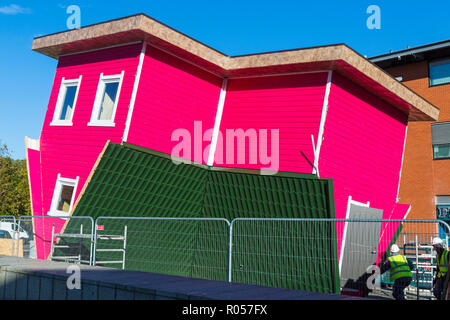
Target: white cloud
[{"x": 14, "y": 9}]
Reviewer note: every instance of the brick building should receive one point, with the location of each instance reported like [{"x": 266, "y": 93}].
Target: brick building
[{"x": 425, "y": 177}]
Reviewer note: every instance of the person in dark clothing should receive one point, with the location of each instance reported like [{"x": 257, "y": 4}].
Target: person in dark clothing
[
  {"x": 400, "y": 269},
  {"x": 442, "y": 262}
]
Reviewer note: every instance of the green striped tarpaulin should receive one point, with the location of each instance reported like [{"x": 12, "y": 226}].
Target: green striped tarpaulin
[{"x": 131, "y": 181}]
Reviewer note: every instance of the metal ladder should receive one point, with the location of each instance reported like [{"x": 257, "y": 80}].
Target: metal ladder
[
  {"x": 70, "y": 258},
  {"x": 123, "y": 250}
]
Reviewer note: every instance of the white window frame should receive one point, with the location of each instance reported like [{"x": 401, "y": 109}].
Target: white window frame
[
  {"x": 60, "y": 182},
  {"x": 98, "y": 100},
  {"x": 61, "y": 97}
]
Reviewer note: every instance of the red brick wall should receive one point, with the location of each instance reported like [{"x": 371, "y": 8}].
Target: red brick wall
[{"x": 422, "y": 177}]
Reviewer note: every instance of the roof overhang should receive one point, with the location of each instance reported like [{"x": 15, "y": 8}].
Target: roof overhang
[
  {"x": 338, "y": 57},
  {"x": 427, "y": 52}
]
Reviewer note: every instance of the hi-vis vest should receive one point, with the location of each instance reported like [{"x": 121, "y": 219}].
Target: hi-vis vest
[
  {"x": 442, "y": 263},
  {"x": 399, "y": 267}
]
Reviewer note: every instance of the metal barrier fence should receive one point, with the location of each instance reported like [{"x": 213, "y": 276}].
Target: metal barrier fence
[
  {"x": 8, "y": 229},
  {"x": 289, "y": 253},
  {"x": 319, "y": 255},
  {"x": 309, "y": 254},
  {"x": 191, "y": 247},
  {"x": 62, "y": 238}
]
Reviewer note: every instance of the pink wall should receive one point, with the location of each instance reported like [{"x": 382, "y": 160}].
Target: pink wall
[
  {"x": 363, "y": 141},
  {"x": 363, "y": 136},
  {"x": 172, "y": 95},
  {"x": 72, "y": 151},
  {"x": 362, "y": 148},
  {"x": 291, "y": 103}
]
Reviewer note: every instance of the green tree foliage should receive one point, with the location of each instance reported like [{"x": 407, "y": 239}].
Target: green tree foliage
[{"x": 14, "y": 191}]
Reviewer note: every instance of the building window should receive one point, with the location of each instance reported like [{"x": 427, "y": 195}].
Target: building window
[
  {"x": 63, "y": 196},
  {"x": 65, "y": 104},
  {"x": 440, "y": 72},
  {"x": 440, "y": 134},
  {"x": 106, "y": 100},
  {"x": 441, "y": 151}
]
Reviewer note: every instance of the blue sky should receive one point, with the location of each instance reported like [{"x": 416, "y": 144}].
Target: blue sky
[{"x": 233, "y": 27}]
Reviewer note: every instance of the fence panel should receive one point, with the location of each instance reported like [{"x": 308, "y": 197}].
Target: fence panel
[
  {"x": 303, "y": 253},
  {"x": 191, "y": 247},
  {"x": 8, "y": 227},
  {"x": 414, "y": 238},
  {"x": 287, "y": 253},
  {"x": 365, "y": 238},
  {"x": 68, "y": 239}
]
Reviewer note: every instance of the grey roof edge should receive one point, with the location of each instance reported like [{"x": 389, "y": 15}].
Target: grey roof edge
[{"x": 409, "y": 51}]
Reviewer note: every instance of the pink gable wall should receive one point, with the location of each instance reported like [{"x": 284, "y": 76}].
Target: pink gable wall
[
  {"x": 72, "y": 151},
  {"x": 34, "y": 177},
  {"x": 291, "y": 103},
  {"x": 362, "y": 149},
  {"x": 172, "y": 95}
]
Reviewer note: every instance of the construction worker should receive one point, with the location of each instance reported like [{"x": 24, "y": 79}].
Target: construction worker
[
  {"x": 400, "y": 269},
  {"x": 442, "y": 262}
]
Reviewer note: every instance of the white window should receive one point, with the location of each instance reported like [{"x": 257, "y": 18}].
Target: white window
[
  {"x": 106, "y": 100},
  {"x": 67, "y": 99},
  {"x": 63, "y": 196}
]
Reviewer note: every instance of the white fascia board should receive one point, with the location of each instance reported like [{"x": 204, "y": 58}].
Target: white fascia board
[
  {"x": 215, "y": 136},
  {"x": 322, "y": 123},
  {"x": 33, "y": 144},
  {"x": 134, "y": 93}
]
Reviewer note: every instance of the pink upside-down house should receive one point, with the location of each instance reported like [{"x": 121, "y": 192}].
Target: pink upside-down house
[{"x": 136, "y": 80}]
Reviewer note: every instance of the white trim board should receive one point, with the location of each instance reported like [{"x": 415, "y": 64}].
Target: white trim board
[
  {"x": 322, "y": 123},
  {"x": 401, "y": 166},
  {"x": 135, "y": 91},
  {"x": 33, "y": 144},
  {"x": 215, "y": 136}
]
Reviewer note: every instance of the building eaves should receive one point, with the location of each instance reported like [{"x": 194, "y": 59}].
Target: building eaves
[{"x": 337, "y": 57}]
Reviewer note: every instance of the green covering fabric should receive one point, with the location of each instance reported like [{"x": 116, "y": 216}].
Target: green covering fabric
[{"x": 131, "y": 181}]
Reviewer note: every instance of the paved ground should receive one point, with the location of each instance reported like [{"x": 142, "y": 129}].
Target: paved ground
[
  {"x": 386, "y": 294},
  {"x": 149, "y": 284}
]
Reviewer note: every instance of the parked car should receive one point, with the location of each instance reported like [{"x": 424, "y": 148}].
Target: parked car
[
  {"x": 4, "y": 234},
  {"x": 10, "y": 228}
]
